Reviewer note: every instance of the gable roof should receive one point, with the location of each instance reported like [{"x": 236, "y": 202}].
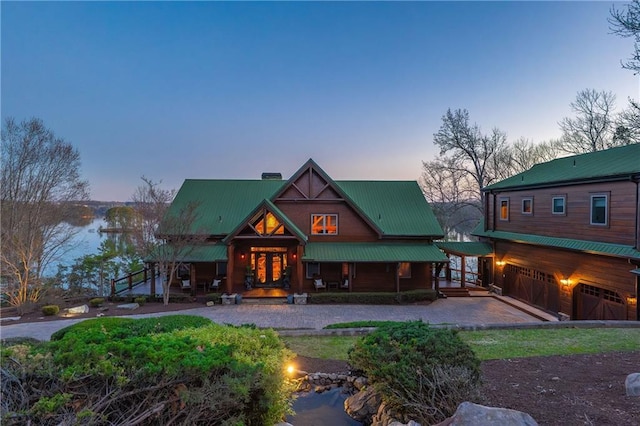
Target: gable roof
[
  {"x": 611, "y": 164},
  {"x": 222, "y": 203},
  {"x": 273, "y": 209},
  {"x": 398, "y": 208},
  {"x": 392, "y": 208}
]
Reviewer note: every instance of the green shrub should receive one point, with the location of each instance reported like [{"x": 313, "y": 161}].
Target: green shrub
[
  {"x": 141, "y": 300},
  {"x": 186, "y": 371},
  {"x": 372, "y": 298},
  {"x": 413, "y": 365},
  {"x": 96, "y": 302},
  {"x": 50, "y": 310}
]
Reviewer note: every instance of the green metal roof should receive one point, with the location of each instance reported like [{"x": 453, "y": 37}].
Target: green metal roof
[
  {"x": 594, "y": 247},
  {"x": 198, "y": 253},
  {"x": 222, "y": 203},
  {"x": 373, "y": 252},
  {"x": 398, "y": 208},
  {"x": 466, "y": 248},
  {"x": 277, "y": 213},
  {"x": 612, "y": 163}
]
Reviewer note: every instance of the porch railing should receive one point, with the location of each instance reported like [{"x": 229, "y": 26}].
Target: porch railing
[{"x": 129, "y": 281}]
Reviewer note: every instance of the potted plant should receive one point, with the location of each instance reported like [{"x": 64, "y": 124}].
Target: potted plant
[{"x": 248, "y": 278}]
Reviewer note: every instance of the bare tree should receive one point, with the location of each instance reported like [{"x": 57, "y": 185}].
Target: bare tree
[
  {"x": 40, "y": 177},
  {"x": 524, "y": 154},
  {"x": 593, "y": 127},
  {"x": 470, "y": 152},
  {"x": 165, "y": 236},
  {"x": 626, "y": 23},
  {"x": 451, "y": 194},
  {"x": 627, "y": 129}
]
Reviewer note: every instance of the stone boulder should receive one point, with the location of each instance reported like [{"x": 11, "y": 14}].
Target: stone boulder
[
  {"x": 632, "y": 384},
  {"x": 82, "y": 309},
  {"x": 470, "y": 414},
  {"x": 363, "y": 405}
]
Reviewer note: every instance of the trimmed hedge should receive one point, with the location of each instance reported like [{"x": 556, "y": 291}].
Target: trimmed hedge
[
  {"x": 373, "y": 298},
  {"x": 50, "y": 310}
]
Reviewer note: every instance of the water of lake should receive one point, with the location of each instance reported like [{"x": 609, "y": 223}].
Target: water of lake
[{"x": 86, "y": 241}]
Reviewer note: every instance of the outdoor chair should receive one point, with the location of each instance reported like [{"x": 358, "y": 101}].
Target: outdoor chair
[
  {"x": 345, "y": 283},
  {"x": 185, "y": 284},
  {"x": 215, "y": 284},
  {"x": 318, "y": 283}
]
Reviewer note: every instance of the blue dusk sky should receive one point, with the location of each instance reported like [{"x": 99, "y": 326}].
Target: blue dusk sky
[{"x": 177, "y": 90}]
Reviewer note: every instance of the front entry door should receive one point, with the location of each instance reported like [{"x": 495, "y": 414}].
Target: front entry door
[{"x": 269, "y": 267}]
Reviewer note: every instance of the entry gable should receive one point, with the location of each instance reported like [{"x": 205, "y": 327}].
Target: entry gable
[
  {"x": 312, "y": 184},
  {"x": 266, "y": 221}
]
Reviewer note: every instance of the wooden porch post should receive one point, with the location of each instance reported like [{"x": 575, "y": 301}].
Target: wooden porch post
[
  {"x": 192, "y": 278},
  {"x": 447, "y": 271},
  {"x": 398, "y": 277},
  {"x": 152, "y": 285},
  {"x": 463, "y": 272},
  {"x": 230, "y": 266},
  {"x": 299, "y": 268}
]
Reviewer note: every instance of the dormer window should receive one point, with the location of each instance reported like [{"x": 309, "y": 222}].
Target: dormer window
[{"x": 324, "y": 224}]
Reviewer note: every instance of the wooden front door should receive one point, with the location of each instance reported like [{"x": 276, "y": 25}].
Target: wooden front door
[{"x": 269, "y": 267}]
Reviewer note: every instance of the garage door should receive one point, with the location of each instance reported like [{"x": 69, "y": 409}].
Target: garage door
[
  {"x": 534, "y": 287},
  {"x": 595, "y": 303}
]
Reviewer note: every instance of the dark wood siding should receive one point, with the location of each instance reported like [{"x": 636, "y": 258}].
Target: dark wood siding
[
  {"x": 575, "y": 224},
  {"x": 603, "y": 272},
  {"x": 351, "y": 226}
]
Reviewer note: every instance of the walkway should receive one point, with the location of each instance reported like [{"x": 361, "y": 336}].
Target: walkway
[{"x": 460, "y": 311}]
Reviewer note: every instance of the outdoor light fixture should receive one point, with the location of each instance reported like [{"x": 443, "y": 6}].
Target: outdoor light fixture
[
  {"x": 294, "y": 256},
  {"x": 565, "y": 282},
  {"x": 242, "y": 255},
  {"x": 632, "y": 300},
  {"x": 500, "y": 263}
]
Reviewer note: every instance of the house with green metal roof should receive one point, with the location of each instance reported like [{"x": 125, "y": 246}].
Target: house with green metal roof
[
  {"x": 309, "y": 233},
  {"x": 566, "y": 234}
]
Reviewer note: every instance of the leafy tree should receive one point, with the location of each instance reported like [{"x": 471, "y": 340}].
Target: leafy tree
[
  {"x": 121, "y": 218},
  {"x": 626, "y": 23},
  {"x": 160, "y": 235},
  {"x": 40, "y": 178}
]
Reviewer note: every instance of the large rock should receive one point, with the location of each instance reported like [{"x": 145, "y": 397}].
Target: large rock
[
  {"x": 83, "y": 309},
  {"x": 470, "y": 414},
  {"x": 363, "y": 405},
  {"x": 632, "y": 384}
]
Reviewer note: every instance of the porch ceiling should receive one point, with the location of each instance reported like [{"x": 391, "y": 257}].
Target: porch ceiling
[
  {"x": 373, "y": 252},
  {"x": 466, "y": 248}
]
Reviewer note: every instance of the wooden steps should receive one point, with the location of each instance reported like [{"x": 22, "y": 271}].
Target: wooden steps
[{"x": 455, "y": 291}]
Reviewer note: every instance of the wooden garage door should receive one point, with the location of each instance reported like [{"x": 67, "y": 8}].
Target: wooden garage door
[
  {"x": 531, "y": 286},
  {"x": 595, "y": 303}
]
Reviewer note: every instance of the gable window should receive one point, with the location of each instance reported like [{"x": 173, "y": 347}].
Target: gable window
[
  {"x": 599, "y": 209},
  {"x": 504, "y": 209},
  {"x": 324, "y": 224},
  {"x": 268, "y": 224},
  {"x": 313, "y": 269},
  {"x": 527, "y": 206},
  {"x": 404, "y": 270},
  {"x": 558, "y": 205}
]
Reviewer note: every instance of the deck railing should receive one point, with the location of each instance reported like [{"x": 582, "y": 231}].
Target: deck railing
[{"x": 129, "y": 281}]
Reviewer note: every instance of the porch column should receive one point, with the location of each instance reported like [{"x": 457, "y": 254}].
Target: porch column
[
  {"x": 398, "y": 277},
  {"x": 463, "y": 272},
  {"x": 192, "y": 279},
  {"x": 230, "y": 267},
  {"x": 447, "y": 271},
  {"x": 299, "y": 268},
  {"x": 152, "y": 284}
]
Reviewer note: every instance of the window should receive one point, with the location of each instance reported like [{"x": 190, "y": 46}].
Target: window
[
  {"x": 221, "y": 268},
  {"x": 558, "y": 205},
  {"x": 527, "y": 206},
  {"x": 324, "y": 224},
  {"x": 504, "y": 209},
  {"x": 599, "y": 209},
  {"x": 313, "y": 269},
  {"x": 404, "y": 270}
]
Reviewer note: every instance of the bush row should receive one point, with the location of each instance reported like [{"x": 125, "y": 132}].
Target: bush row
[
  {"x": 174, "y": 369},
  {"x": 373, "y": 298}
]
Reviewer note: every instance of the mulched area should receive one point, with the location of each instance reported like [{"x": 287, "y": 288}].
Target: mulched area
[
  {"x": 573, "y": 390},
  {"x": 555, "y": 390}
]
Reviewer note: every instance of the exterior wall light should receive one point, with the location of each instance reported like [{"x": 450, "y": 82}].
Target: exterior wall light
[
  {"x": 500, "y": 263},
  {"x": 632, "y": 300},
  {"x": 565, "y": 282},
  {"x": 242, "y": 255}
]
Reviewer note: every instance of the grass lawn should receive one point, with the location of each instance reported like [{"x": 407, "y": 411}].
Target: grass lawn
[{"x": 497, "y": 344}]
